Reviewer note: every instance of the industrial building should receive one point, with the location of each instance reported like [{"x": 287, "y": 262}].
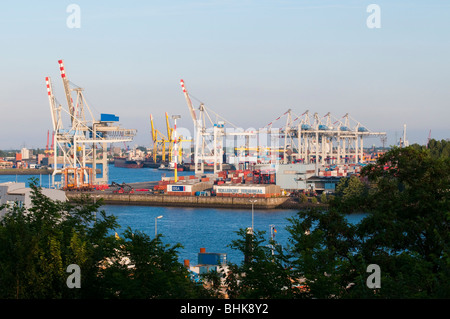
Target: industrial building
[
  {"x": 323, "y": 183},
  {"x": 294, "y": 176},
  {"x": 16, "y": 193},
  {"x": 6, "y": 164},
  {"x": 207, "y": 262}
]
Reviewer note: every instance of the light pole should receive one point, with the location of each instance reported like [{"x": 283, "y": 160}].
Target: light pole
[
  {"x": 272, "y": 227},
  {"x": 156, "y": 224},
  {"x": 175, "y": 117},
  {"x": 252, "y": 201}
]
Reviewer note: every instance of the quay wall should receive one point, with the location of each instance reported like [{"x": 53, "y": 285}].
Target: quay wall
[{"x": 184, "y": 201}]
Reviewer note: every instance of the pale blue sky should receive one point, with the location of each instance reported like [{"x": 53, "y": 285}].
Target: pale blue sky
[{"x": 248, "y": 60}]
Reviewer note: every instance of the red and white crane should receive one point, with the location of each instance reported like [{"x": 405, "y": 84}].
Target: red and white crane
[
  {"x": 79, "y": 143},
  {"x": 189, "y": 102},
  {"x": 67, "y": 91},
  {"x": 209, "y": 142}
]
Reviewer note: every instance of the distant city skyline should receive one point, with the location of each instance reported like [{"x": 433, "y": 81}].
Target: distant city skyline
[{"x": 249, "y": 61}]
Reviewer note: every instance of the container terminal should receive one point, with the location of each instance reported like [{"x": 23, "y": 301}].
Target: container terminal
[{"x": 292, "y": 153}]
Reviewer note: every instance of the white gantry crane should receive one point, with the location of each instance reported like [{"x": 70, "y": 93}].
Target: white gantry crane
[
  {"x": 204, "y": 151},
  {"x": 307, "y": 138},
  {"x": 209, "y": 142},
  {"x": 322, "y": 139},
  {"x": 84, "y": 139}
]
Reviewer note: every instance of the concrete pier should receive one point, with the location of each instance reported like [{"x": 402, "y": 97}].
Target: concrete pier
[{"x": 186, "y": 201}]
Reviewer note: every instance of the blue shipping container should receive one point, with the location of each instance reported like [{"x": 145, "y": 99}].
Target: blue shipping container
[
  {"x": 211, "y": 258},
  {"x": 330, "y": 186},
  {"x": 108, "y": 118}
]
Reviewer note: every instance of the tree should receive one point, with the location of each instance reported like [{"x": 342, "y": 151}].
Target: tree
[
  {"x": 349, "y": 193},
  {"x": 264, "y": 273},
  {"x": 323, "y": 198},
  {"x": 37, "y": 245},
  {"x": 322, "y": 245},
  {"x": 436, "y": 149},
  {"x": 145, "y": 268},
  {"x": 406, "y": 233},
  {"x": 407, "y": 230},
  {"x": 303, "y": 198}
]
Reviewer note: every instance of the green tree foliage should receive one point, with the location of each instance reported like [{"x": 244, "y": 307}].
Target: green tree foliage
[
  {"x": 324, "y": 198},
  {"x": 437, "y": 149},
  {"x": 406, "y": 232},
  {"x": 37, "y": 245},
  {"x": 349, "y": 194},
  {"x": 321, "y": 250},
  {"x": 145, "y": 268},
  {"x": 408, "y": 228},
  {"x": 264, "y": 273},
  {"x": 303, "y": 198}
]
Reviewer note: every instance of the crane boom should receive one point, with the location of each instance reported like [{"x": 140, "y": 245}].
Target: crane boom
[
  {"x": 169, "y": 129},
  {"x": 188, "y": 100},
  {"x": 170, "y": 137},
  {"x": 67, "y": 90},
  {"x": 51, "y": 100},
  {"x": 154, "y": 138}
]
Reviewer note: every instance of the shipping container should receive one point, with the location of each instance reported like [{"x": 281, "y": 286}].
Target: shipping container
[
  {"x": 247, "y": 190},
  {"x": 189, "y": 186},
  {"x": 108, "y": 118}
]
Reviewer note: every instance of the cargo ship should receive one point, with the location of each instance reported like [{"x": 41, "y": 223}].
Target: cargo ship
[{"x": 127, "y": 163}]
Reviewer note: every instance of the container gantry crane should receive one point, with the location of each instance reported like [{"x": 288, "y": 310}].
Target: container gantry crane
[
  {"x": 78, "y": 144},
  {"x": 208, "y": 142},
  {"x": 159, "y": 142},
  {"x": 322, "y": 140}
]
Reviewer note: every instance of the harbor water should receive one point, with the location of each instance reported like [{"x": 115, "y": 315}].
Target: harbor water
[{"x": 194, "y": 228}]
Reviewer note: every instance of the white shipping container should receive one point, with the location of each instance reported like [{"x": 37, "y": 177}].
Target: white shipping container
[{"x": 179, "y": 188}]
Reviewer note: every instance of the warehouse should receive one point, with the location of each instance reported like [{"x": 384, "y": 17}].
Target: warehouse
[
  {"x": 294, "y": 176},
  {"x": 323, "y": 183},
  {"x": 16, "y": 193}
]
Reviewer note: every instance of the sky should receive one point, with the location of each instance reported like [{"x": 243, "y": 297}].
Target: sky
[{"x": 248, "y": 60}]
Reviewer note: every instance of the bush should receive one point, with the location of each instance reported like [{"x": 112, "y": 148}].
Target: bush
[{"x": 303, "y": 198}]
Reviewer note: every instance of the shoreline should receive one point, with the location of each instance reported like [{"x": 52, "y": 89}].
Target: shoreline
[
  {"x": 193, "y": 201},
  {"x": 25, "y": 171}
]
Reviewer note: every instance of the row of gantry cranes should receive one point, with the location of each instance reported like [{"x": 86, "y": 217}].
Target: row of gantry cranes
[
  {"x": 306, "y": 138},
  {"x": 82, "y": 140}
]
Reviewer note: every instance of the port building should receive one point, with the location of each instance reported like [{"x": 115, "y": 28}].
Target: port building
[
  {"x": 294, "y": 176},
  {"x": 12, "y": 193}
]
